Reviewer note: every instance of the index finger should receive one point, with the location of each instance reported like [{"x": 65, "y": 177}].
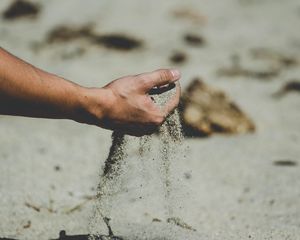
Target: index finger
[
  {"x": 173, "y": 102},
  {"x": 159, "y": 78}
]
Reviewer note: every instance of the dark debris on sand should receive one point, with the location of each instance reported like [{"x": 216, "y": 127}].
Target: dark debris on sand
[
  {"x": 115, "y": 41},
  {"x": 291, "y": 86},
  {"x": 207, "y": 110},
  {"x": 64, "y": 236},
  {"x": 20, "y": 9},
  {"x": 194, "y": 39},
  {"x": 178, "y": 58},
  {"x": 278, "y": 62},
  {"x": 237, "y": 70},
  {"x": 281, "y": 59},
  {"x": 62, "y": 34},
  {"x": 285, "y": 163}
]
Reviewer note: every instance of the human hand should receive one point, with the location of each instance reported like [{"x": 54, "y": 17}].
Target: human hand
[{"x": 124, "y": 104}]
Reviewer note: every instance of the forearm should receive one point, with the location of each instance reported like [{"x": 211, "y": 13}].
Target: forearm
[{"x": 28, "y": 91}]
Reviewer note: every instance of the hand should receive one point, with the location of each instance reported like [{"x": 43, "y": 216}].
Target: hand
[{"x": 125, "y": 106}]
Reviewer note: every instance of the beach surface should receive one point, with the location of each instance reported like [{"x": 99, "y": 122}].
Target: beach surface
[{"x": 240, "y": 186}]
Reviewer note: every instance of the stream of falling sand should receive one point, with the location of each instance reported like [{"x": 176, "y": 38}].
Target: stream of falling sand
[{"x": 170, "y": 141}]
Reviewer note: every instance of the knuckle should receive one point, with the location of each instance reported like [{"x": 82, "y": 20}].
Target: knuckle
[{"x": 142, "y": 81}]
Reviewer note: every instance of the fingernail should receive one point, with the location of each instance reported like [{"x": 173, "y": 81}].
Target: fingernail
[{"x": 176, "y": 73}]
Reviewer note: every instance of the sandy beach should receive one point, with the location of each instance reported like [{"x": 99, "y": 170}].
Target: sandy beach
[{"x": 240, "y": 186}]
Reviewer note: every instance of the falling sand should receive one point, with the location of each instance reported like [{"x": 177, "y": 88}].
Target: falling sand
[{"x": 139, "y": 183}]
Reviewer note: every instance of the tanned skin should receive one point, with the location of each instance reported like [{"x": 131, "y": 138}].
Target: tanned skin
[{"x": 123, "y": 105}]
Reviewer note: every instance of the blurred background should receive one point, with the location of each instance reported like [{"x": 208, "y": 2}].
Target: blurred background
[{"x": 240, "y": 64}]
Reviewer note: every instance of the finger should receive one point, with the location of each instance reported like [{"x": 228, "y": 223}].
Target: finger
[
  {"x": 158, "y": 78},
  {"x": 173, "y": 102},
  {"x": 161, "y": 89}
]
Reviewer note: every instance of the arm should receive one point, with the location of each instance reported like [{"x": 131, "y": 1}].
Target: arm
[
  {"x": 28, "y": 91},
  {"x": 122, "y": 105}
]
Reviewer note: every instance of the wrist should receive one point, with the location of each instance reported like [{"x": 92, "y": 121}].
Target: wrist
[{"x": 93, "y": 105}]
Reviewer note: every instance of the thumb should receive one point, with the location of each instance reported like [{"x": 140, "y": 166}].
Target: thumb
[{"x": 158, "y": 78}]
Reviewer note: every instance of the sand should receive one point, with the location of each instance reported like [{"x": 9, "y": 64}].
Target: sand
[
  {"x": 237, "y": 189},
  {"x": 117, "y": 175}
]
